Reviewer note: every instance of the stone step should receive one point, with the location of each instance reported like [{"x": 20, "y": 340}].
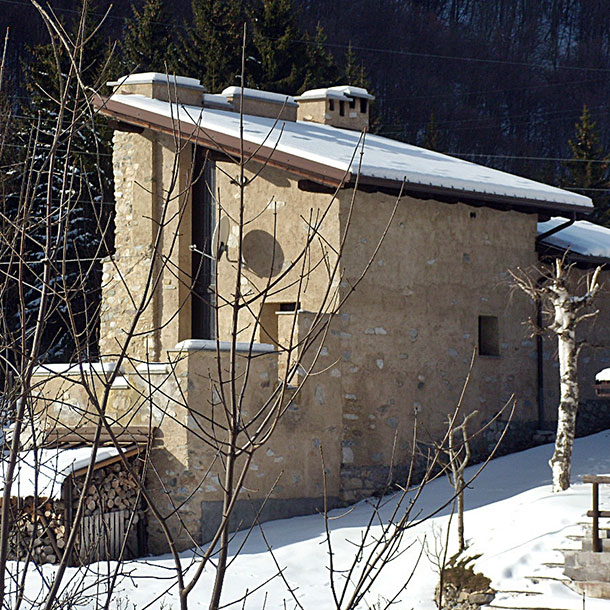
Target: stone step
[
  {"x": 587, "y": 544},
  {"x": 594, "y": 588},
  {"x": 587, "y": 566}
]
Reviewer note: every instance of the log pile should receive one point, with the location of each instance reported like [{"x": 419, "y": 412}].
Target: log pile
[
  {"x": 40, "y": 530},
  {"x": 111, "y": 488}
]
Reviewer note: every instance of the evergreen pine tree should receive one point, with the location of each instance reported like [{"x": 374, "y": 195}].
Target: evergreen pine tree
[
  {"x": 211, "y": 48},
  {"x": 81, "y": 176},
  {"x": 320, "y": 67},
  {"x": 354, "y": 72},
  {"x": 432, "y": 135},
  {"x": 147, "y": 43},
  {"x": 588, "y": 168},
  {"x": 278, "y": 54}
]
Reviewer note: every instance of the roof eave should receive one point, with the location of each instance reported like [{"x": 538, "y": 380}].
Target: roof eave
[
  {"x": 221, "y": 142},
  {"x": 320, "y": 172},
  {"x": 474, "y": 198}
]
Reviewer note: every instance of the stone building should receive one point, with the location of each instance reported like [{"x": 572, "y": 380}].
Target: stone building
[{"x": 395, "y": 342}]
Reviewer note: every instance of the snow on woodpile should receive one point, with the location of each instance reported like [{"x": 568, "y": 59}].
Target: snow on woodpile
[
  {"x": 582, "y": 237},
  {"x": 383, "y": 158},
  {"x": 41, "y": 473}
]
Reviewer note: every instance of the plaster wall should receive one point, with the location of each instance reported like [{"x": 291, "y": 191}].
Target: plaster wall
[
  {"x": 287, "y": 233},
  {"x": 410, "y": 327}
]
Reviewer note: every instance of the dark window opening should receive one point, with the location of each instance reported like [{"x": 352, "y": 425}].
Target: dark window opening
[
  {"x": 352, "y": 102},
  {"x": 331, "y": 105},
  {"x": 363, "y": 105},
  {"x": 342, "y": 108},
  {"x": 289, "y": 306},
  {"x": 202, "y": 267},
  {"x": 489, "y": 337}
]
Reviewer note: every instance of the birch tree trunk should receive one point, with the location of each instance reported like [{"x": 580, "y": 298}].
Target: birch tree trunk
[
  {"x": 554, "y": 287},
  {"x": 565, "y": 328}
]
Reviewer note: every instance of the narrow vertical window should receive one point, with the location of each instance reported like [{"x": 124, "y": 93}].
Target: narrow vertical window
[
  {"x": 202, "y": 269},
  {"x": 489, "y": 338},
  {"x": 331, "y": 105},
  {"x": 342, "y": 108}
]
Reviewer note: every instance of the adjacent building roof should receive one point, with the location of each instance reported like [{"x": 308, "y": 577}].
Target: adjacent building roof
[
  {"x": 581, "y": 238},
  {"x": 331, "y": 156}
]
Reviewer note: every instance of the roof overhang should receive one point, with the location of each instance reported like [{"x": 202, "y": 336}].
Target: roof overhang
[
  {"x": 220, "y": 142},
  {"x": 319, "y": 172}
]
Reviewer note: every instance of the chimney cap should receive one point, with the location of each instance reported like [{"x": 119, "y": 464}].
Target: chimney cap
[
  {"x": 338, "y": 92},
  {"x": 145, "y": 78},
  {"x": 265, "y": 96}
]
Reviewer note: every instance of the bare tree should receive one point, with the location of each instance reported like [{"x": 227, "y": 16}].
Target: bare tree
[
  {"x": 229, "y": 428},
  {"x": 567, "y": 302}
]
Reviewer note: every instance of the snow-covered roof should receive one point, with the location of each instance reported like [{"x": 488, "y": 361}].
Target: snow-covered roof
[
  {"x": 603, "y": 375},
  {"x": 339, "y": 92},
  {"x": 41, "y": 473},
  {"x": 334, "y": 150},
  {"x": 265, "y": 96},
  {"x": 216, "y": 99},
  {"x": 582, "y": 237},
  {"x": 144, "y": 78}
]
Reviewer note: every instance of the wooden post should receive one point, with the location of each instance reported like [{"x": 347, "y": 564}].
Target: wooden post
[{"x": 597, "y": 546}]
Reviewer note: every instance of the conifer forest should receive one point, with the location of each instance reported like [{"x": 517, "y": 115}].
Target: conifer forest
[{"x": 520, "y": 85}]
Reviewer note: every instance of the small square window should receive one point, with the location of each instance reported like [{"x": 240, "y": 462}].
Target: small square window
[{"x": 489, "y": 337}]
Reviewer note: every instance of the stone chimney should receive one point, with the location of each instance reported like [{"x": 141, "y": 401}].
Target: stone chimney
[
  {"x": 341, "y": 106},
  {"x": 187, "y": 91},
  {"x": 263, "y": 103}
]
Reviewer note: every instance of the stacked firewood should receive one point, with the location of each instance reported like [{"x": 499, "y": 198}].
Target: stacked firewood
[
  {"x": 111, "y": 488},
  {"x": 39, "y": 532}
]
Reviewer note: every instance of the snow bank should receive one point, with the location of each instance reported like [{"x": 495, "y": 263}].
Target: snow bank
[
  {"x": 41, "y": 473},
  {"x": 582, "y": 237},
  {"x": 512, "y": 518}
]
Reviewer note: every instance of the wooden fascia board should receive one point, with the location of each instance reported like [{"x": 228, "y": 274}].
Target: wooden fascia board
[
  {"x": 426, "y": 191},
  {"x": 221, "y": 142}
]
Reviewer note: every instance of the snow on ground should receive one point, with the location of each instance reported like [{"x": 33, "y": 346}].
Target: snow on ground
[{"x": 512, "y": 518}]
